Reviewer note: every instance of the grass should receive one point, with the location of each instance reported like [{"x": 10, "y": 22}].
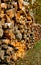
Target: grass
[{"x": 32, "y": 57}]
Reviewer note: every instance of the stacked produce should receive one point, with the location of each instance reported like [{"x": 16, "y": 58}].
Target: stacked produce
[{"x": 17, "y": 33}]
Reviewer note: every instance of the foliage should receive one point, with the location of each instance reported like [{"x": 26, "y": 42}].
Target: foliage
[{"x": 37, "y": 11}]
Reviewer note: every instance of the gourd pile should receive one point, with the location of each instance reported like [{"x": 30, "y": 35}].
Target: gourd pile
[{"x": 17, "y": 30}]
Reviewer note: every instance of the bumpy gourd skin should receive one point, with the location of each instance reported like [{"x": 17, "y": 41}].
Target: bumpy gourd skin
[
  {"x": 5, "y": 54},
  {"x": 17, "y": 31}
]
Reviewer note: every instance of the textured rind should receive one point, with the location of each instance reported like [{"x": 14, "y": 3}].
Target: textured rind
[{"x": 18, "y": 32}]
